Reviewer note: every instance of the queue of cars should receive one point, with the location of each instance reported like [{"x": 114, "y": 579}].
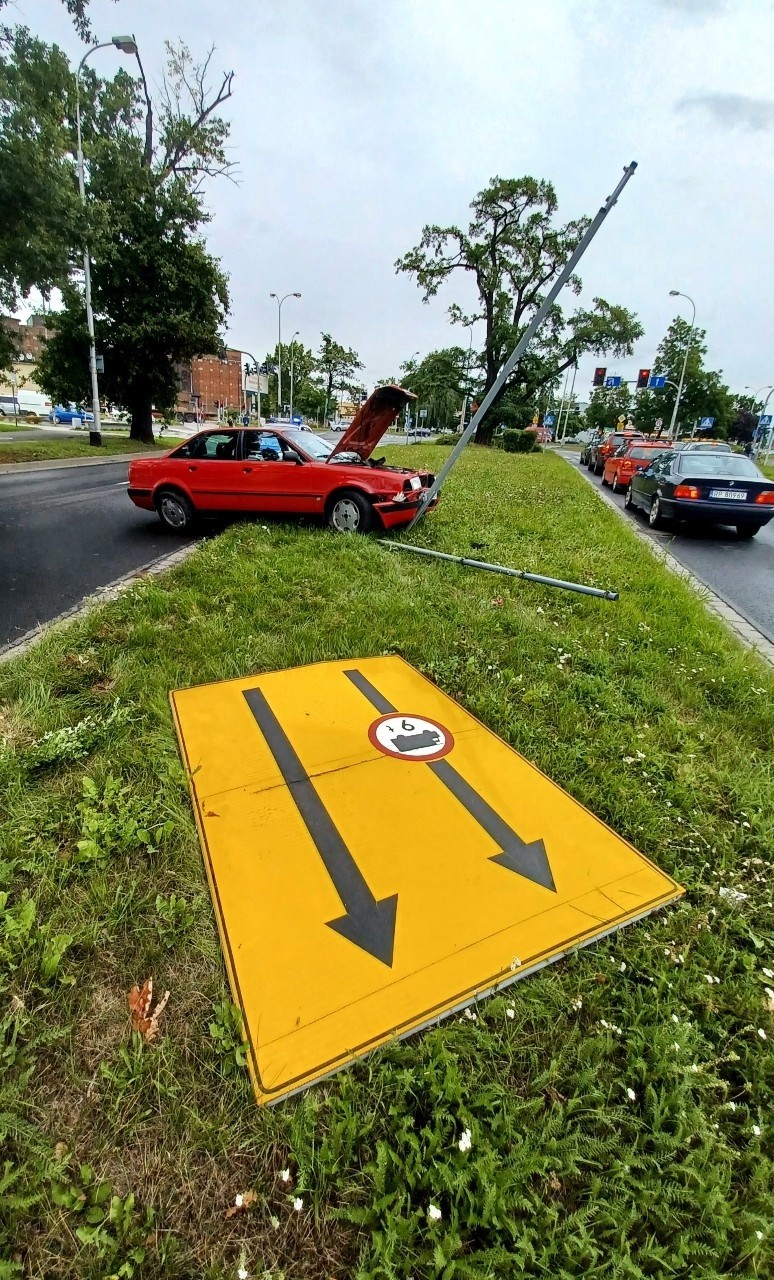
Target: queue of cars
[{"x": 684, "y": 481}]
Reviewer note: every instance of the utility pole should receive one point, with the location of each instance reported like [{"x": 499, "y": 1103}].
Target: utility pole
[
  {"x": 675, "y": 293},
  {"x": 279, "y": 302}
]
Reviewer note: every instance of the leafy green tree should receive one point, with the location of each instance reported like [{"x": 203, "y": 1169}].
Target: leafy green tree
[
  {"x": 439, "y": 381},
  {"x": 75, "y": 8},
  {"x": 511, "y": 252},
  {"x": 704, "y": 392},
  {"x": 338, "y": 367},
  {"x": 159, "y": 298},
  {"x": 606, "y": 406}
]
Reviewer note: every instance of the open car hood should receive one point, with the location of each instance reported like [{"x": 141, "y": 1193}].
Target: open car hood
[{"x": 372, "y": 420}]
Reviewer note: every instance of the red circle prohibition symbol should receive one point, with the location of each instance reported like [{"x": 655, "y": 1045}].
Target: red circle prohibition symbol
[{"x": 418, "y": 739}]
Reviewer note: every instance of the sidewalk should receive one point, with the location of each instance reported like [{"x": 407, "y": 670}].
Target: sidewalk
[{"x": 53, "y": 464}]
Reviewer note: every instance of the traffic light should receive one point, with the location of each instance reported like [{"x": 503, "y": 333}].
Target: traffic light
[
  {"x": 643, "y": 378},
  {"x": 599, "y": 377}
]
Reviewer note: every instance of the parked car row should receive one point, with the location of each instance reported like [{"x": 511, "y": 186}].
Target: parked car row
[{"x": 688, "y": 481}]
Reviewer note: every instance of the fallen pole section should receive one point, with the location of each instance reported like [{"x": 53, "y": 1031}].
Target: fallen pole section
[{"x": 501, "y": 568}]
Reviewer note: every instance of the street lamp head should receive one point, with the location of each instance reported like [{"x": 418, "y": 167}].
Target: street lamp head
[
  {"x": 296, "y": 295},
  {"x": 674, "y": 293},
  {"x": 127, "y": 44},
  {"x": 272, "y": 295}
]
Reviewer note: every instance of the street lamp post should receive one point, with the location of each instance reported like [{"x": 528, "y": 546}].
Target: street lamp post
[
  {"x": 279, "y": 302},
  {"x": 292, "y": 369},
  {"x": 127, "y": 44},
  {"x": 675, "y": 293}
]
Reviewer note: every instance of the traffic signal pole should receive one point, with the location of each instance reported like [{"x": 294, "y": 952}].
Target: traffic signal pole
[{"x": 517, "y": 353}]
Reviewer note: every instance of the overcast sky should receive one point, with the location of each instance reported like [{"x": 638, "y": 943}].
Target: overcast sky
[{"x": 355, "y": 122}]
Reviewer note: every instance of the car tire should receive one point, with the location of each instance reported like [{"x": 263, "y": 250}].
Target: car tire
[
  {"x": 175, "y": 511},
  {"x": 747, "y": 529},
  {"x": 56, "y": 419},
  {"x": 598, "y": 468},
  {"x": 349, "y": 512},
  {"x": 605, "y": 482},
  {"x": 656, "y": 517},
  {"x": 629, "y": 498},
  {"x": 615, "y": 486}
]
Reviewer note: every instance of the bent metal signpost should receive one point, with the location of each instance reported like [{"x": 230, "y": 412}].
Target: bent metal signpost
[{"x": 379, "y": 859}]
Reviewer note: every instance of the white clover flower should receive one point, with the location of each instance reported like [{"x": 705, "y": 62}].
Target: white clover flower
[
  {"x": 298, "y": 1204},
  {"x": 676, "y": 1047},
  {"x": 242, "y": 1273},
  {"x": 470, "y": 1014},
  {"x": 577, "y": 1003},
  {"x": 466, "y": 1141},
  {"x": 433, "y": 1212},
  {"x": 510, "y": 1012},
  {"x": 756, "y": 1130},
  {"x": 762, "y": 1033},
  {"x": 768, "y": 973},
  {"x": 274, "y": 1222},
  {"x": 675, "y": 1018},
  {"x": 631, "y": 1095},
  {"x": 239, "y": 1200},
  {"x": 622, "y": 966},
  {"x": 759, "y": 1235},
  {"x": 285, "y": 1175},
  {"x": 694, "y": 1067}
]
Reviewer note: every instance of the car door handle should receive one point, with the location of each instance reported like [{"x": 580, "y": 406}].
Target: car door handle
[
  {"x": 247, "y": 470},
  {"x": 191, "y": 468}
]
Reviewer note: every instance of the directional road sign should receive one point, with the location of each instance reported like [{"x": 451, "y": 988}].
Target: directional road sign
[
  {"x": 764, "y": 420},
  {"x": 377, "y": 859},
  {"x": 657, "y": 381},
  {"x": 613, "y": 381},
  {"x": 706, "y": 423},
  {"x": 548, "y": 420}
]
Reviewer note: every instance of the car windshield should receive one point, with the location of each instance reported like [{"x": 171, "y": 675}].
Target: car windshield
[
  {"x": 641, "y": 453},
  {"x": 311, "y": 444},
  {"x": 716, "y": 464}
]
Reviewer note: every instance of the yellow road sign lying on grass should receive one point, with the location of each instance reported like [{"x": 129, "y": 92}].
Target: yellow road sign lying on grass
[{"x": 377, "y": 859}]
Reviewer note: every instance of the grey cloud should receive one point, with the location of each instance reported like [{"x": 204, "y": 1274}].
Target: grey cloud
[{"x": 733, "y": 110}]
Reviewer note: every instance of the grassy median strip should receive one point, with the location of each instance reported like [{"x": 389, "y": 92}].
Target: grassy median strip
[
  {"x": 619, "y": 1103},
  {"x": 45, "y": 450}
]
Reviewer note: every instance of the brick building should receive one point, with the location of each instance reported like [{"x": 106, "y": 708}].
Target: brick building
[
  {"x": 209, "y": 380},
  {"x": 28, "y": 337}
]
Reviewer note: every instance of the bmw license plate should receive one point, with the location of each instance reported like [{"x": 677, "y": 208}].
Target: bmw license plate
[{"x": 740, "y": 495}]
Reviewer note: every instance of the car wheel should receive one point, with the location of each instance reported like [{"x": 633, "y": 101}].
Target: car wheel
[
  {"x": 598, "y": 468},
  {"x": 615, "y": 485},
  {"x": 656, "y": 517},
  {"x": 350, "y": 513},
  {"x": 629, "y": 498},
  {"x": 56, "y": 419},
  {"x": 175, "y": 511},
  {"x": 747, "y": 529},
  {"x": 605, "y": 482}
]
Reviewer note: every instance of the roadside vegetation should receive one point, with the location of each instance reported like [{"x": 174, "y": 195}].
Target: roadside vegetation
[
  {"x": 44, "y": 450},
  {"x": 617, "y": 1106}
]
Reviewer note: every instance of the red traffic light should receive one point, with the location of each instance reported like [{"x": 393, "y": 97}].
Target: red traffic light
[
  {"x": 643, "y": 378},
  {"x": 599, "y": 377}
]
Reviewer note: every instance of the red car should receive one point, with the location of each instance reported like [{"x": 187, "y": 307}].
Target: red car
[
  {"x": 621, "y": 466},
  {"x": 284, "y": 470}
]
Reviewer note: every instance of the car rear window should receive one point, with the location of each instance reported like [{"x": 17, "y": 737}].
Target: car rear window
[
  {"x": 716, "y": 464},
  {"x": 641, "y": 453}
]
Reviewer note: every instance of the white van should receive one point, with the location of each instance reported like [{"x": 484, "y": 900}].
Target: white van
[{"x": 33, "y": 402}]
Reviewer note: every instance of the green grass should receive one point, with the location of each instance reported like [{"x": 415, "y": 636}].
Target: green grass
[
  {"x": 768, "y": 470},
  {"x": 127, "y": 1156},
  {"x": 45, "y": 450}
]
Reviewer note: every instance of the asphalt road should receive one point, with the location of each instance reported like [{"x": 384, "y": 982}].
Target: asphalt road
[
  {"x": 63, "y": 533},
  {"x": 741, "y": 573}
]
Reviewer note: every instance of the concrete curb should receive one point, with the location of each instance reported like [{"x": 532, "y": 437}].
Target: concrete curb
[
  {"x": 111, "y": 591},
  {"x": 744, "y": 630},
  {"x": 55, "y": 464}
]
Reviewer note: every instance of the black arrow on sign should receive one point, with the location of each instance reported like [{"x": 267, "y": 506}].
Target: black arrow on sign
[
  {"x": 528, "y": 859},
  {"x": 369, "y": 923}
]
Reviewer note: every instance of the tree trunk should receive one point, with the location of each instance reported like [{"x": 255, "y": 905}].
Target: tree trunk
[{"x": 142, "y": 420}]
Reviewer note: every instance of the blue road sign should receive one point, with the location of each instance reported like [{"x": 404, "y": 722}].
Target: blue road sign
[
  {"x": 764, "y": 420},
  {"x": 657, "y": 381},
  {"x": 706, "y": 423},
  {"x": 613, "y": 382},
  {"x": 548, "y": 420}
]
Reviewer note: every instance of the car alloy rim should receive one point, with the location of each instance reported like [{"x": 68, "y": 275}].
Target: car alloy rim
[
  {"x": 655, "y": 508},
  {"x": 173, "y": 512},
  {"x": 346, "y": 516}
]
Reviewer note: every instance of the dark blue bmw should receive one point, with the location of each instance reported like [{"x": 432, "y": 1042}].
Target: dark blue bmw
[{"x": 726, "y": 488}]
